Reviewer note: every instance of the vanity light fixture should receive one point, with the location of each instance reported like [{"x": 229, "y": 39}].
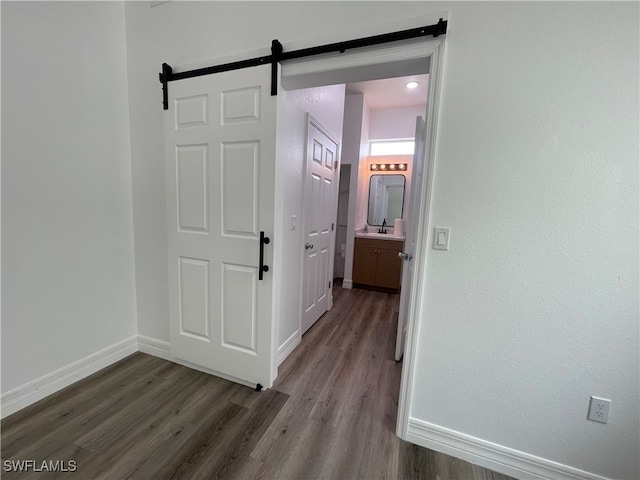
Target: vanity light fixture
[
  {"x": 384, "y": 167},
  {"x": 412, "y": 84}
]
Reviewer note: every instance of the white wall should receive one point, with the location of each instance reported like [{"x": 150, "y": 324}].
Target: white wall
[
  {"x": 326, "y": 104},
  {"x": 351, "y": 138},
  {"x": 389, "y": 123},
  {"x": 535, "y": 305},
  {"x": 67, "y": 237}
]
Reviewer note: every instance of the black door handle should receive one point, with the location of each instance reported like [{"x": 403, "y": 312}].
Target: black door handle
[{"x": 262, "y": 267}]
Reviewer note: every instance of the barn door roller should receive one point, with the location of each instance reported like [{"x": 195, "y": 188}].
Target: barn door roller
[{"x": 279, "y": 55}]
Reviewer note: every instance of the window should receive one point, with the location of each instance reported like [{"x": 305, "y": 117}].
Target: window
[{"x": 391, "y": 147}]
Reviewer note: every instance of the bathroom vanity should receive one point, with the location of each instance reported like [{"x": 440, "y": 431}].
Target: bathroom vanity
[
  {"x": 375, "y": 258},
  {"x": 376, "y": 262}
]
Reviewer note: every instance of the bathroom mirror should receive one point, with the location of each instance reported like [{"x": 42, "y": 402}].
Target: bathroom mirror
[{"x": 386, "y": 199}]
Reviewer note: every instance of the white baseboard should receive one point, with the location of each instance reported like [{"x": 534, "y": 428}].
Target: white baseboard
[
  {"x": 490, "y": 455},
  {"x": 154, "y": 347},
  {"x": 289, "y": 346},
  {"x": 348, "y": 284},
  {"x": 37, "y": 389}
]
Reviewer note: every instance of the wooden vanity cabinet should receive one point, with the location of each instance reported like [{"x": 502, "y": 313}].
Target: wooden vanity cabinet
[{"x": 376, "y": 262}]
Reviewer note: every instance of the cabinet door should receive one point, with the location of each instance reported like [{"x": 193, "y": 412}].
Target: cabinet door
[
  {"x": 389, "y": 267},
  {"x": 364, "y": 265}
]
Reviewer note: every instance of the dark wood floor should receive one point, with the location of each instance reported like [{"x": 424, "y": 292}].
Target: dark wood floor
[{"x": 331, "y": 414}]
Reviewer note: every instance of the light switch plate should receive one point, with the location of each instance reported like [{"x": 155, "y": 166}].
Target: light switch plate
[{"x": 441, "y": 238}]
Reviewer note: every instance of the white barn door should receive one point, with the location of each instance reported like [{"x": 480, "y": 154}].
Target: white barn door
[{"x": 220, "y": 133}]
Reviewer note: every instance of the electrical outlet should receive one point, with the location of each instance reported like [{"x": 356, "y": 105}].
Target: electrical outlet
[{"x": 599, "y": 409}]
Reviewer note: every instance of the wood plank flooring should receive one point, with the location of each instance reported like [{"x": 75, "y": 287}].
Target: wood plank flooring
[{"x": 331, "y": 414}]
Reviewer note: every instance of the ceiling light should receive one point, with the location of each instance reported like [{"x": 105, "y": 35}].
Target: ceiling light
[{"x": 412, "y": 84}]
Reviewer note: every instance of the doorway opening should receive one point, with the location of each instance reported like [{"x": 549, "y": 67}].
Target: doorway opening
[
  {"x": 418, "y": 60},
  {"x": 380, "y": 155},
  {"x": 335, "y": 72},
  {"x": 380, "y": 110},
  {"x": 355, "y": 205}
]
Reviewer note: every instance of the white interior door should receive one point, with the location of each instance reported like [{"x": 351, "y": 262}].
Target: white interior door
[
  {"x": 320, "y": 208},
  {"x": 220, "y": 135},
  {"x": 410, "y": 236}
]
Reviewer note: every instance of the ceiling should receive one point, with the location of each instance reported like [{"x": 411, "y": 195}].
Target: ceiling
[{"x": 392, "y": 92}]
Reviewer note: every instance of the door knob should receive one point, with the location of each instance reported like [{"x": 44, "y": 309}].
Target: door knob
[
  {"x": 405, "y": 256},
  {"x": 307, "y": 246}
]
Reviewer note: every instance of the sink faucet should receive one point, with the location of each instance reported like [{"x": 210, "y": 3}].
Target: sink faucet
[{"x": 384, "y": 224}]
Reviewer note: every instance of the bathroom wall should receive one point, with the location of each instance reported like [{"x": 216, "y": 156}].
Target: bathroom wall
[
  {"x": 366, "y": 177},
  {"x": 387, "y": 124}
]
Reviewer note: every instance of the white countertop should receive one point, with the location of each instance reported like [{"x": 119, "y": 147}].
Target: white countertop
[{"x": 382, "y": 236}]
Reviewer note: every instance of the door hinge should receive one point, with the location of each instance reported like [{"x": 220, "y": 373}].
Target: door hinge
[
  {"x": 332, "y": 226},
  {"x": 335, "y": 164},
  {"x": 329, "y": 285}
]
